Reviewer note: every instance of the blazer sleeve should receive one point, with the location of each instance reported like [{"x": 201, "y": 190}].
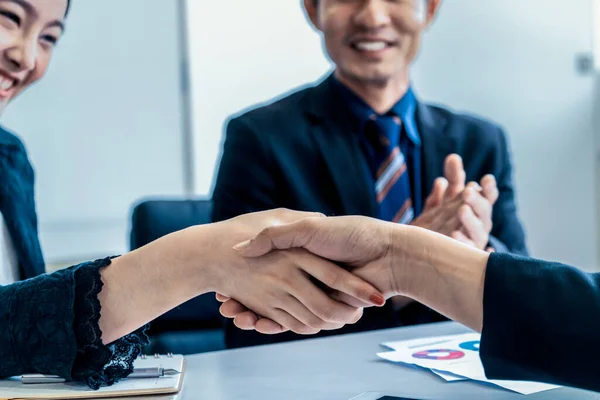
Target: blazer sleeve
[
  {"x": 540, "y": 322},
  {"x": 508, "y": 235},
  {"x": 246, "y": 178}
]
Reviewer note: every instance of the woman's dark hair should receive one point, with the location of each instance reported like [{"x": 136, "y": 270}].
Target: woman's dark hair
[{"x": 68, "y": 6}]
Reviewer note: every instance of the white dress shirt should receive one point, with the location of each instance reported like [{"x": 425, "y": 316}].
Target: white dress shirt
[{"x": 9, "y": 265}]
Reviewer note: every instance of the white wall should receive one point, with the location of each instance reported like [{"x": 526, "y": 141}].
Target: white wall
[
  {"x": 514, "y": 62},
  {"x": 242, "y": 53},
  {"x": 104, "y": 127},
  {"x": 508, "y": 60}
]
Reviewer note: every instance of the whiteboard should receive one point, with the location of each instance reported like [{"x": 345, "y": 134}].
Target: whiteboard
[{"x": 104, "y": 127}]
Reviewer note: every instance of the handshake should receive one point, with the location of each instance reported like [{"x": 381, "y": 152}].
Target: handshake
[{"x": 360, "y": 261}]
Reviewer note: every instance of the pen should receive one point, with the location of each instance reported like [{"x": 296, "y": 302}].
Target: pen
[{"x": 138, "y": 373}]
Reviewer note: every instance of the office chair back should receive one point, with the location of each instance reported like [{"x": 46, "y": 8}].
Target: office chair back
[{"x": 199, "y": 317}]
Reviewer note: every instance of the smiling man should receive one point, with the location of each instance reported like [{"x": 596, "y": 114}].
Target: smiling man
[{"x": 361, "y": 143}]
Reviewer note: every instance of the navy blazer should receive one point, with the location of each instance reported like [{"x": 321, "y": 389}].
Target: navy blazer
[
  {"x": 540, "y": 322},
  {"x": 17, "y": 204},
  {"x": 302, "y": 153}
]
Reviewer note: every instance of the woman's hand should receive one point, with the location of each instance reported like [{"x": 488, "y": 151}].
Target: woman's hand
[
  {"x": 362, "y": 244},
  {"x": 433, "y": 269},
  {"x": 280, "y": 286}
]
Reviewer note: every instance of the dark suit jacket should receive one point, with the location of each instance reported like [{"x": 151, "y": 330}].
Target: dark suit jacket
[
  {"x": 17, "y": 204},
  {"x": 541, "y": 322},
  {"x": 303, "y": 153}
]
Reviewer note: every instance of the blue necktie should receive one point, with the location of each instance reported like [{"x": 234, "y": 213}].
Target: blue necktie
[{"x": 392, "y": 182}]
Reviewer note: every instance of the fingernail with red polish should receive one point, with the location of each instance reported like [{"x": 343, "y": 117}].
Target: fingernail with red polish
[{"x": 377, "y": 299}]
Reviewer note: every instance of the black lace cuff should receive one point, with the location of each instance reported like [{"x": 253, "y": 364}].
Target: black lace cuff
[{"x": 97, "y": 364}]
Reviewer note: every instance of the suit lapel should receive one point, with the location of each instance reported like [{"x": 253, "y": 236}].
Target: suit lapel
[
  {"x": 436, "y": 145},
  {"x": 335, "y": 135},
  {"x": 334, "y": 132}
]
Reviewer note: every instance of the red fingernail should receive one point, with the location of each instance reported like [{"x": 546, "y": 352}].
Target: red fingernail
[{"x": 377, "y": 299}]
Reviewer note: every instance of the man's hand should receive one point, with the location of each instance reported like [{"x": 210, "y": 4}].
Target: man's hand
[
  {"x": 440, "y": 213},
  {"x": 475, "y": 215},
  {"x": 458, "y": 211}
]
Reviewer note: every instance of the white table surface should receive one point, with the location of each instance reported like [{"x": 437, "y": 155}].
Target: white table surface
[{"x": 336, "y": 368}]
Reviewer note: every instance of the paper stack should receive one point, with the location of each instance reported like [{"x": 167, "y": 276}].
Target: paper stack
[{"x": 453, "y": 358}]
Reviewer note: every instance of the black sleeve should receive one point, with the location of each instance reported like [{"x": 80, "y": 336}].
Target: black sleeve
[
  {"x": 49, "y": 324},
  {"x": 36, "y": 325},
  {"x": 540, "y": 322},
  {"x": 507, "y": 233},
  {"x": 245, "y": 182}
]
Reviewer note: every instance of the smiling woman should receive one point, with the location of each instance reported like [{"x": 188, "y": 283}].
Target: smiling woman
[
  {"x": 27, "y": 38},
  {"x": 29, "y": 31}
]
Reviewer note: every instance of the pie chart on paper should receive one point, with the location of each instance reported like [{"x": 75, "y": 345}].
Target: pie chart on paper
[
  {"x": 472, "y": 345},
  {"x": 439, "y": 354}
]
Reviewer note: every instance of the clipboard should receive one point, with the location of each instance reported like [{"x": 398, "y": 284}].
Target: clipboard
[{"x": 13, "y": 389}]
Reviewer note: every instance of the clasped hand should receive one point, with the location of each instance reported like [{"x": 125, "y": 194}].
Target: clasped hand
[
  {"x": 286, "y": 286},
  {"x": 363, "y": 245}
]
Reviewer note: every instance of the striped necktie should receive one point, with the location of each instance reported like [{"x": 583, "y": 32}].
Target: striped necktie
[{"x": 392, "y": 182}]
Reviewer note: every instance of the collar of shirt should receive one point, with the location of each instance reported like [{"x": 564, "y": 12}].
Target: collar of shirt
[{"x": 405, "y": 108}]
